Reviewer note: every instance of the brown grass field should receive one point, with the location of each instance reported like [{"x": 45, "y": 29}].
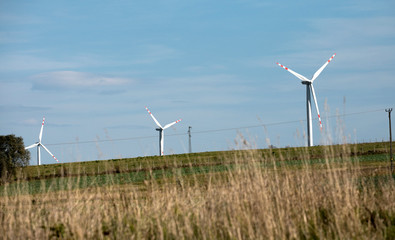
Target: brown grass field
[{"x": 334, "y": 192}]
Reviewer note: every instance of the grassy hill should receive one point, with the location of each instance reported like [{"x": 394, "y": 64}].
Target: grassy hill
[{"x": 125, "y": 165}]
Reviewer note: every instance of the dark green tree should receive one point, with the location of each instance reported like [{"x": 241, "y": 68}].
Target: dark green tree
[{"x": 12, "y": 156}]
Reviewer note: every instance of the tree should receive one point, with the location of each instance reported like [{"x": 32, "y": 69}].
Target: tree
[{"x": 12, "y": 156}]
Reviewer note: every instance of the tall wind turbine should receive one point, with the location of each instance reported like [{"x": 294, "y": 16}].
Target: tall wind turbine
[
  {"x": 39, "y": 144},
  {"x": 309, "y": 90},
  {"x": 160, "y": 130}
]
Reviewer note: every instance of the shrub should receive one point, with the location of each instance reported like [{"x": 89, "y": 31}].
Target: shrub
[{"x": 12, "y": 156}]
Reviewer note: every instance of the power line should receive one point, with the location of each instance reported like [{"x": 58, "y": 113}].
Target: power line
[
  {"x": 281, "y": 123},
  {"x": 212, "y": 130},
  {"x": 106, "y": 140}
]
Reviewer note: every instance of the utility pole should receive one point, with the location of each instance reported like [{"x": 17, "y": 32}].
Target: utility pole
[
  {"x": 389, "y": 110},
  {"x": 190, "y": 144}
]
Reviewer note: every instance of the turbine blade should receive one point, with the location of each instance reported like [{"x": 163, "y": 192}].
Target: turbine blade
[
  {"x": 316, "y": 105},
  {"x": 156, "y": 121},
  {"x": 301, "y": 77},
  {"x": 41, "y": 131},
  {"x": 322, "y": 68},
  {"x": 171, "y": 124},
  {"x": 49, "y": 152},
  {"x": 32, "y": 146}
]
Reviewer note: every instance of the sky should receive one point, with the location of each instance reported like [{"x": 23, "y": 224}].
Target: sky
[{"x": 91, "y": 67}]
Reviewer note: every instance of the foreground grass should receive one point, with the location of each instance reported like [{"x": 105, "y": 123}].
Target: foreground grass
[{"x": 252, "y": 196}]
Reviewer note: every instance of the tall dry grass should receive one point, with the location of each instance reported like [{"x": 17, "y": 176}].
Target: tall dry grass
[{"x": 256, "y": 199}]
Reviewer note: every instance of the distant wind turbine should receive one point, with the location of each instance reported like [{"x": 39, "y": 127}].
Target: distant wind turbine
[
  {"x": 309, "y": 90},
  {"x": 39, "y": 144},
  {"x": 160, "y": 130}
]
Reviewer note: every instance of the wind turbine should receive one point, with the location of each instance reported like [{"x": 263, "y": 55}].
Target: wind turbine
[
  {"x": 160, "y": 130},
  {"x": 309, "y": 90},
  {"x": 39, "y": 144}
]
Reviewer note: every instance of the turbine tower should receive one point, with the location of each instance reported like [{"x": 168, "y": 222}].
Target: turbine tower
[
  {"x": 39, "y": 144},
  {"x": 160, "y": 129},
  {"x": 309, "y": 91}
]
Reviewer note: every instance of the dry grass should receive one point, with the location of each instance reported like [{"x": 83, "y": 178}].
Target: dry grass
[{"x": 249, "y": 201}]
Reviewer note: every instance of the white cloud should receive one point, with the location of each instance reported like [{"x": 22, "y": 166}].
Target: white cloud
[
  {"x": 30, "y": 122},
  {"x": 204, "y": 68},
  {"x": 349, "y": 32},
  {"x": 26, "y": 62},
  {"x": 21, "y": 108},
  {"x": 40, "y": 60},
  {"x": 153, "y": 53},
  {"x": 7, "y": 37},
  {"x": 14, "y": 19},
  {"x": 204, "y": 90},
  {"x": 75, "y": 80}
]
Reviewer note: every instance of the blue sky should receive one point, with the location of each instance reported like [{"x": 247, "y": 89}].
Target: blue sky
[{"x": 91, "y": 67}]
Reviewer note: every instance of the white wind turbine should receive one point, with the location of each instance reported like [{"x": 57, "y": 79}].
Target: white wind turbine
[
  {"x": 310, "y": 89},
  {"x": 160, "y": 130},
  {"x": 39, "y": 144}
]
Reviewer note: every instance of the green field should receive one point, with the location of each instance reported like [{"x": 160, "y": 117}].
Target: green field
[
  {"x": 53, "y": 177},
  {"x": 292, "y": 155},
  {"x": 335, "y": 192}
]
